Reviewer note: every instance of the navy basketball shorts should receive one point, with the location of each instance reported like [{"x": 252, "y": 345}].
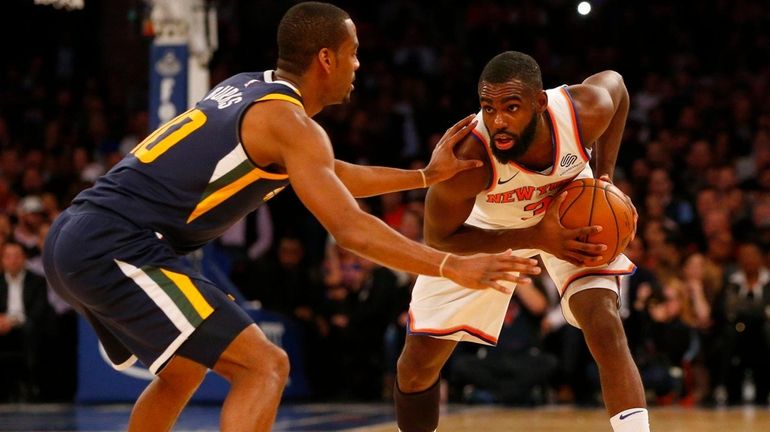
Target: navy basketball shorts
[{"x": 142, "y": 299}]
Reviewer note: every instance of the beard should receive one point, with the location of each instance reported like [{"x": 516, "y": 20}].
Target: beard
[{"x": 522, "y": 142}]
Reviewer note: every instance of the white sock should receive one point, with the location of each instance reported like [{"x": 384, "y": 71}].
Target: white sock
[{"x": 631, "y": 420}]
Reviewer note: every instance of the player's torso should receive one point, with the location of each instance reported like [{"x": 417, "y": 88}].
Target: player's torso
[
  {"x": 191, "y": 178},
  {"x": 518, "y": 197}
]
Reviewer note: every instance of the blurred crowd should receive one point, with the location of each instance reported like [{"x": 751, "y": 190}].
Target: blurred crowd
[{"x": 695, "y": 159}]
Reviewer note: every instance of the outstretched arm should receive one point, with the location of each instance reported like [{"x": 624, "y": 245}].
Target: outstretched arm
[
  {"x": 364, "y": 181},
  {"x": 306, "y": 153}
]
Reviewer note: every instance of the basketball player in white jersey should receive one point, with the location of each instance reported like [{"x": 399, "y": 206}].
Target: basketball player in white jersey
[{"x": 533, "y": 141}]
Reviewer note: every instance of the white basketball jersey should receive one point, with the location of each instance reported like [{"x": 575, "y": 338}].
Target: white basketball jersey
[{"x": 518, "y": 197}]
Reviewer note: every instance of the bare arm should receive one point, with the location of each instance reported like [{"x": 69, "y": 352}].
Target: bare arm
[
  {"x": 305, "y": 151},
  {"x": 363, "y": 181},
  {"x": 532, "y": 298},
  {"x": 603, "y": 107},
  {"x": 449, "y": 204},
  {"x": 602, "y": 102}
]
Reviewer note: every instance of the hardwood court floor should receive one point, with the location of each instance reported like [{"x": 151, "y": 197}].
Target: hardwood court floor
[
  {"x": 557, "y": 419},
  {"x": 379, "y": 418}
]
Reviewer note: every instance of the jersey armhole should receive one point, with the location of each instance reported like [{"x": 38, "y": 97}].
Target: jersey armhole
[{"x": 578, "y": 131}]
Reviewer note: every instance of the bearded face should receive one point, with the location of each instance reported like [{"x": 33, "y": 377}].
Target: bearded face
[{"x": 507, "y": 146}]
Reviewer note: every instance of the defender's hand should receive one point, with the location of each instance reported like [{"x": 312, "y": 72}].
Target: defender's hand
[
  {"x": 443, "y": 163},
  {"x": 564, "y": 243},
  {"x": 482, "y": 271}
]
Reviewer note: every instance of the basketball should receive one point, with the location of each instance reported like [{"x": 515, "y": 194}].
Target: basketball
[{"x": 591, "y": 201}]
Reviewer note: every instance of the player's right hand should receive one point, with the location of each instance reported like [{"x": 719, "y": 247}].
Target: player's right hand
[
  {"x": 566, "y": 243},
  {"x": 482, "y": 271}
]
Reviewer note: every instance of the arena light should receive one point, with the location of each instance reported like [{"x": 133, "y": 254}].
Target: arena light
[{"x": 584, "y": 8}]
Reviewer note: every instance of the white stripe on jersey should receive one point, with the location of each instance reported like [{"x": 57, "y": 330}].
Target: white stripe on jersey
[{"x": 229, "y": 162}]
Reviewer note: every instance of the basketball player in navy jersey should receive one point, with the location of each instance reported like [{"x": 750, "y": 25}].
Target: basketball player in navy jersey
[
  {"x": 533, "y": 141},
  {"x": 115, "y": 253}
]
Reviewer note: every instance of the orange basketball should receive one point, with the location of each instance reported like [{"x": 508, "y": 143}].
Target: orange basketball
[{"x": 592, "y": 201}]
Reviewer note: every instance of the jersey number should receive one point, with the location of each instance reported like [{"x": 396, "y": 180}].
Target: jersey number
[
  {"x": 169, "y": 135},
  {"x": 539, "y": 207}
]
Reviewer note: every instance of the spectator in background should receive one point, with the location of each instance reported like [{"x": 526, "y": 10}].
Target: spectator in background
[
  {"x": 741, "y": 314},
  {"x": 83, "y": 163},
  {"x": 669, "y": 341},
  {"x": 720, "y": 248},
  {"x": 359, "y": 305},
  {"x": 31, "y": 215},
  {"x": 23, "y": 313},
  {"x": 283, "y": 282},
  {"x": 8, "y": 198},
  {"x": 58, "y": 356},
  {"x": 6, "y": 228},
  {"x": 704, "y": 282},
  {"x": 698, "y": 159},
  {"x": 393, "y": 208},
  {"x": 701, "y": 283},
  {"x": 675, "y": 208}
]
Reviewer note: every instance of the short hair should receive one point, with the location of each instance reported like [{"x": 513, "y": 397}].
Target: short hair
[
  {"x": 305, "y": 29},
  {"x": 511, "y": 65}
]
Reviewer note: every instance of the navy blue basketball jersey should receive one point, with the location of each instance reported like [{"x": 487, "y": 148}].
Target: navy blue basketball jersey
[{"x": 191, "y": 178}]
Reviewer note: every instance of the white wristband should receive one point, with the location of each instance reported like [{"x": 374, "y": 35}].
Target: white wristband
[
  {"x": 424, "y": 180},
  {"x": 441, "y": 266}
]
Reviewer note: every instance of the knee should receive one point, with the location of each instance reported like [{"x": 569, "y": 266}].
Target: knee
[
  {"x": 280, "y": 364},
  {"x": 273, "y": 363},
  {"x": 270, "y": 363},
  {"x": 414, "y": 375}
]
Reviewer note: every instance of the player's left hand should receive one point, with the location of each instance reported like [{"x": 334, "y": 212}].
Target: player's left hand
[
  {"x": 443, "y": 163},
  {"x": 607, "y": 178}
]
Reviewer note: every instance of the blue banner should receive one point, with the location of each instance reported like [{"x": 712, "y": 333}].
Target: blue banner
[{"x": 168, "y": 83}]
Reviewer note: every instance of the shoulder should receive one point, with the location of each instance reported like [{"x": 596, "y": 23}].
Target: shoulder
[
  {"x": 591, "y": 100},
  {"x": 280, "y": 120},
  {"x": 472, "y": 147},
  {"x": 270, "y": 130},
  {"x": 596, "y": 100}
]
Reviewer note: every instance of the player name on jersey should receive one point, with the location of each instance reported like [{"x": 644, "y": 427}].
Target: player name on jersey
[{"x": 225, "y": 96}]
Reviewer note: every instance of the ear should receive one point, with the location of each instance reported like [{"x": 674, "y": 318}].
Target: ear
[
  {"x": 541, "y": 101},
  {"x": 325, "y": 59}
]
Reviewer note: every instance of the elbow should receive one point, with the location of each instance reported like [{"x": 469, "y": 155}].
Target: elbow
[
  {"x": 605, "y": 78},
  {"x": 435, "y": 241},
  {"x": 614, "y": 75},
  {"x": 350, "y": 238}
]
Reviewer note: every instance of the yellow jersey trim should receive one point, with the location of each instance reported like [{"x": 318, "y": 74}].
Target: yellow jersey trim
[{"x": 189, "y": 290}]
